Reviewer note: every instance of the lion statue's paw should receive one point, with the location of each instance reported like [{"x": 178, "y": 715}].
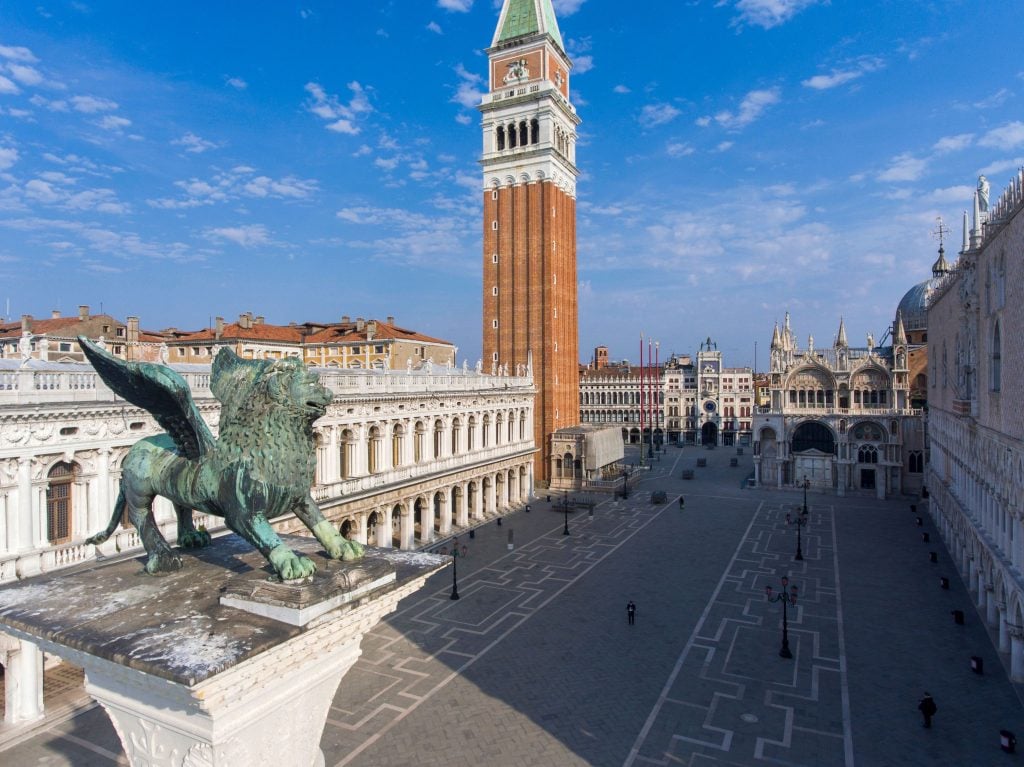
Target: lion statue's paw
[
  {"x": 351, "y": 551},
  {"x": 289, "y": 565},
  {"x": 163, "y": 562}
]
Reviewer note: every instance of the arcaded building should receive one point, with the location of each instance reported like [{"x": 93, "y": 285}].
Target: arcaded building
[
  {"x": 975, "y": 422},
  {"x": 530, "y": 315}
]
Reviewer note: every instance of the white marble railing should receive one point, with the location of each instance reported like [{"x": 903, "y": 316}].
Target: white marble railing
[
  {"x": 125, "y": 540},
  {"x": 76, "y": 382}
]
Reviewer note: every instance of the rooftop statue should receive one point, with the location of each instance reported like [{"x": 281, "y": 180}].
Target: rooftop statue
[{"x": 260, "y": 467}]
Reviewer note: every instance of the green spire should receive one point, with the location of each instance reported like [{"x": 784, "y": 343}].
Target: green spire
[{"x": 528, "y": 17}]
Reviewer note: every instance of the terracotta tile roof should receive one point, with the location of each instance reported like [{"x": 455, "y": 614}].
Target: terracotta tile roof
[
  {"x": 346, "y": 332},
  {"x": 235, "y": 332},
  {"x": 51, "y": 326}
]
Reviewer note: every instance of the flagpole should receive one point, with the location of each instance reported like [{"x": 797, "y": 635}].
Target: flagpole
[{"x": 641, "y": 399}]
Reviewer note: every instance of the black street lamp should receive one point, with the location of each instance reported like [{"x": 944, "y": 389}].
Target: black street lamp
[
  {"x": 800, "y": 520},
  {"x": 807, "y": 484},
  {"x": 787, "y": 598},
  {"x": 565, "y": 508},
  {"x": 625, "y": 483},
  {"x": 456, "y": 553}
]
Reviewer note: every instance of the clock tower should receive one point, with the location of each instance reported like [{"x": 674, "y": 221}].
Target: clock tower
[{"x": 529, "y": 189}]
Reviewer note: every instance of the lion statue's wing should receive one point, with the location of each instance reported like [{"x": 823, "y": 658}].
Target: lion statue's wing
[{"x": 158, "y": 390}]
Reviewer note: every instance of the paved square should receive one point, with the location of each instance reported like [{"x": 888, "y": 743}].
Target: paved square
[{"x": 536, "y": 664}]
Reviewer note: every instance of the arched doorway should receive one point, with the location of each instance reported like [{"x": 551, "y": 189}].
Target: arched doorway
[
  {"x": 58, "y": 503},
  {"x": 371, "y": 529},
  {"x": 709, "y": 434}
]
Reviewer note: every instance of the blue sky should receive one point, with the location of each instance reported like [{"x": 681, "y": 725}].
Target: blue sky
[{"x": 738, "y": 158}]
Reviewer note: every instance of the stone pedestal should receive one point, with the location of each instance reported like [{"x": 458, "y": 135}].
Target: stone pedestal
[{"x": 217, "y": 664}]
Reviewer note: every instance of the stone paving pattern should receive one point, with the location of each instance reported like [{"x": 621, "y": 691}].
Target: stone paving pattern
[{"x": 536, "y": 665}]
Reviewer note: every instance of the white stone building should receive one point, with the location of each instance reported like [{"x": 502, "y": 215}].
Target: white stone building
[
  {"x": 403, "y": 457},
  {"x": 702, "y": 403},
  {"x": 975, "y": 422},
  {"x": 839, "y": 417}
]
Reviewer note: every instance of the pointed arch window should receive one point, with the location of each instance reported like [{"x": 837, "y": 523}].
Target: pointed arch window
[{"x": 501, "y": 137}]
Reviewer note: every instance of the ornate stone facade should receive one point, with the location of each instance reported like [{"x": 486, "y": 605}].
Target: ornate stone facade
[
  {"x": 976, "y": 425},
  {"x": 839, "y": 417}
]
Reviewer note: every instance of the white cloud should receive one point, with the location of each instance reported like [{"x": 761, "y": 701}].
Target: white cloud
[
  {"x": 567, "y": 7},
  {"x": 904, "y": 167},
  {"x": 1004, "y": 137},
  {"x": 193, "y": 143},
  {"x": 679, "y": 149},
  {"x": 237, "y": 82},
  {"x": 17, "y": 53},
  {"x": 342, "y": 116},
  {"x": 461, "y": 6},
  {"x": 653, "y": 115},
  {"x": 8, "y": 156},
  {"x": 620, "y": 89},
  {"x": 467, "y": 94},
  {"x": 435, "y": 28},
  {"x": 839, "y": 77},
  {"x": 581, "y": 64},
  {"x": 247, "y": 236},
  {"x": 114, "y": 123},
  {"x": 953, "y": 143},
  {"x": 238, "y": 183},
  {"x": 724, "y": 146},
  {"x": 92, "y": 104},
  {"x": 1001, "y": 166},
  {"x": 769, "y": 13},
  {"x": 996, "y": 99},
  {"x": 824, "y": 82},
  {"x": 751, "y": 108},
  {"x": 463, "y": 119},
  {"x": 25, "y": 75},
  {"x": 41, "y": 191},
  {"x": 951, "y": 194},
  {"x": 7, "y": 86},
  {"x": 387, "y": 163},
  {"x": 702, "y": 122}
]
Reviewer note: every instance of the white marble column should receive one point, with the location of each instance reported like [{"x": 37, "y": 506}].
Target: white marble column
[
  {"x": 462, "y": 506},
  {"x": 407, "y": 529},
  {"x": 446, "y": 516},
  {"x": 21, "y": 532},
  {"x": 1017, "y": 654},
  {"x": 23, "y": 676},
  {"x": 385, "y": 530}
]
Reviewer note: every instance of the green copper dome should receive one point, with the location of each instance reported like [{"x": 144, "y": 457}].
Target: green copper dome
[{"x": 528, "y": 17}]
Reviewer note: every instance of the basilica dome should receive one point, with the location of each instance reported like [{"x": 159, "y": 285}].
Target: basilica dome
[{"x": 913, "y": 307}]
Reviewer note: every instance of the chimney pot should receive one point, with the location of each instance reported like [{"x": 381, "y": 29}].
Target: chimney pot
[
  {"x": 83, "y": 311},
  {"x": 345, "y": 318},
  {"x": 391, "y": 320},
  {"x": 55, "y": 314},
  {"x": 218, "y": 327},
  {"x": 258, "y": 320},
  {"x": 26, "y": 323}
]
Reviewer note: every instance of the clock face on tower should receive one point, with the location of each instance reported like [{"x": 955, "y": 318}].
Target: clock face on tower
[{"x": 709, "y": 406}]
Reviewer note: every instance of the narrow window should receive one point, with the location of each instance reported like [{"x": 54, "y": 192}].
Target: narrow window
[
  {"x": 501, "y": 137},
  {"x": 494, "y": 324},
  {"x": 494, "y": 290},
  {"x": 494, "y": 225},
  {"x": 494, "y": 258},
  {"x": 494, "y": 194}
]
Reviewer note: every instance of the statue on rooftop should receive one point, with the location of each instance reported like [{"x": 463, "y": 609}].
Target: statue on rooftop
[{"x": 260, "y": 467}]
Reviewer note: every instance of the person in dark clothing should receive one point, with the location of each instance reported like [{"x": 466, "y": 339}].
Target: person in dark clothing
[
  {"x": 927, "y": 708},
  {"x": 631, "y": 612}
]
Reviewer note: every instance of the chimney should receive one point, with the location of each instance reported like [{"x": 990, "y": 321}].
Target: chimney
[
  {"x": 258, "y": 320},
  {"x": 345, "y": 318},
  {"x": 83, "y": 312},
  {"x": 132, "y": 333},
  {"x": 55, "y": 314},
  {"x": 245, "y": 320},
  {"x": 391, "y": 320},
  {"x": 360, "y": 324},
  {"x": 218, "y": 328},
  {"x": 371, "y": 329},
  {"x": 26, "y": 323}
]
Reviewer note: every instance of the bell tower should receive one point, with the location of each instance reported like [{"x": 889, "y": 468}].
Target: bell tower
[{"x": 529, "y": 239}]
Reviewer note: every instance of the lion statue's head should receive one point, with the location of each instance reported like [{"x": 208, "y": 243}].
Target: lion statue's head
[{"x": 253, "y": 389}]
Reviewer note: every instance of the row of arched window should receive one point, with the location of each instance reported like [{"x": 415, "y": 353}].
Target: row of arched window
[
  {"x": 518, "y": 134},
  {"x": 428, "y": 443},
  {"x": 617, "y": 398}
]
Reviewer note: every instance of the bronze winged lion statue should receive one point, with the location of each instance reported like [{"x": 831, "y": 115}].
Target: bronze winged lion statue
[{"x": 260, "y": 466}]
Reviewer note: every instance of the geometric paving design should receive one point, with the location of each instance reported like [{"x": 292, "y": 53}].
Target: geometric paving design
[
  {"x": 417, "y": 651},
  {"x": 729, "y": 700}
]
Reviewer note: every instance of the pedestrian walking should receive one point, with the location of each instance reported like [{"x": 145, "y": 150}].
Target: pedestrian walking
[
  {"x": 631, "y": 612},
  {"x": 927, "y": 708},
  {"x": 499, "y": 521},
  {"x": 682, "y": 503}
]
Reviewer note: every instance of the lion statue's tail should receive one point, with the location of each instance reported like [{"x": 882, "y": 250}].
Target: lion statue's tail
[{"x": 115, "y": 520}]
